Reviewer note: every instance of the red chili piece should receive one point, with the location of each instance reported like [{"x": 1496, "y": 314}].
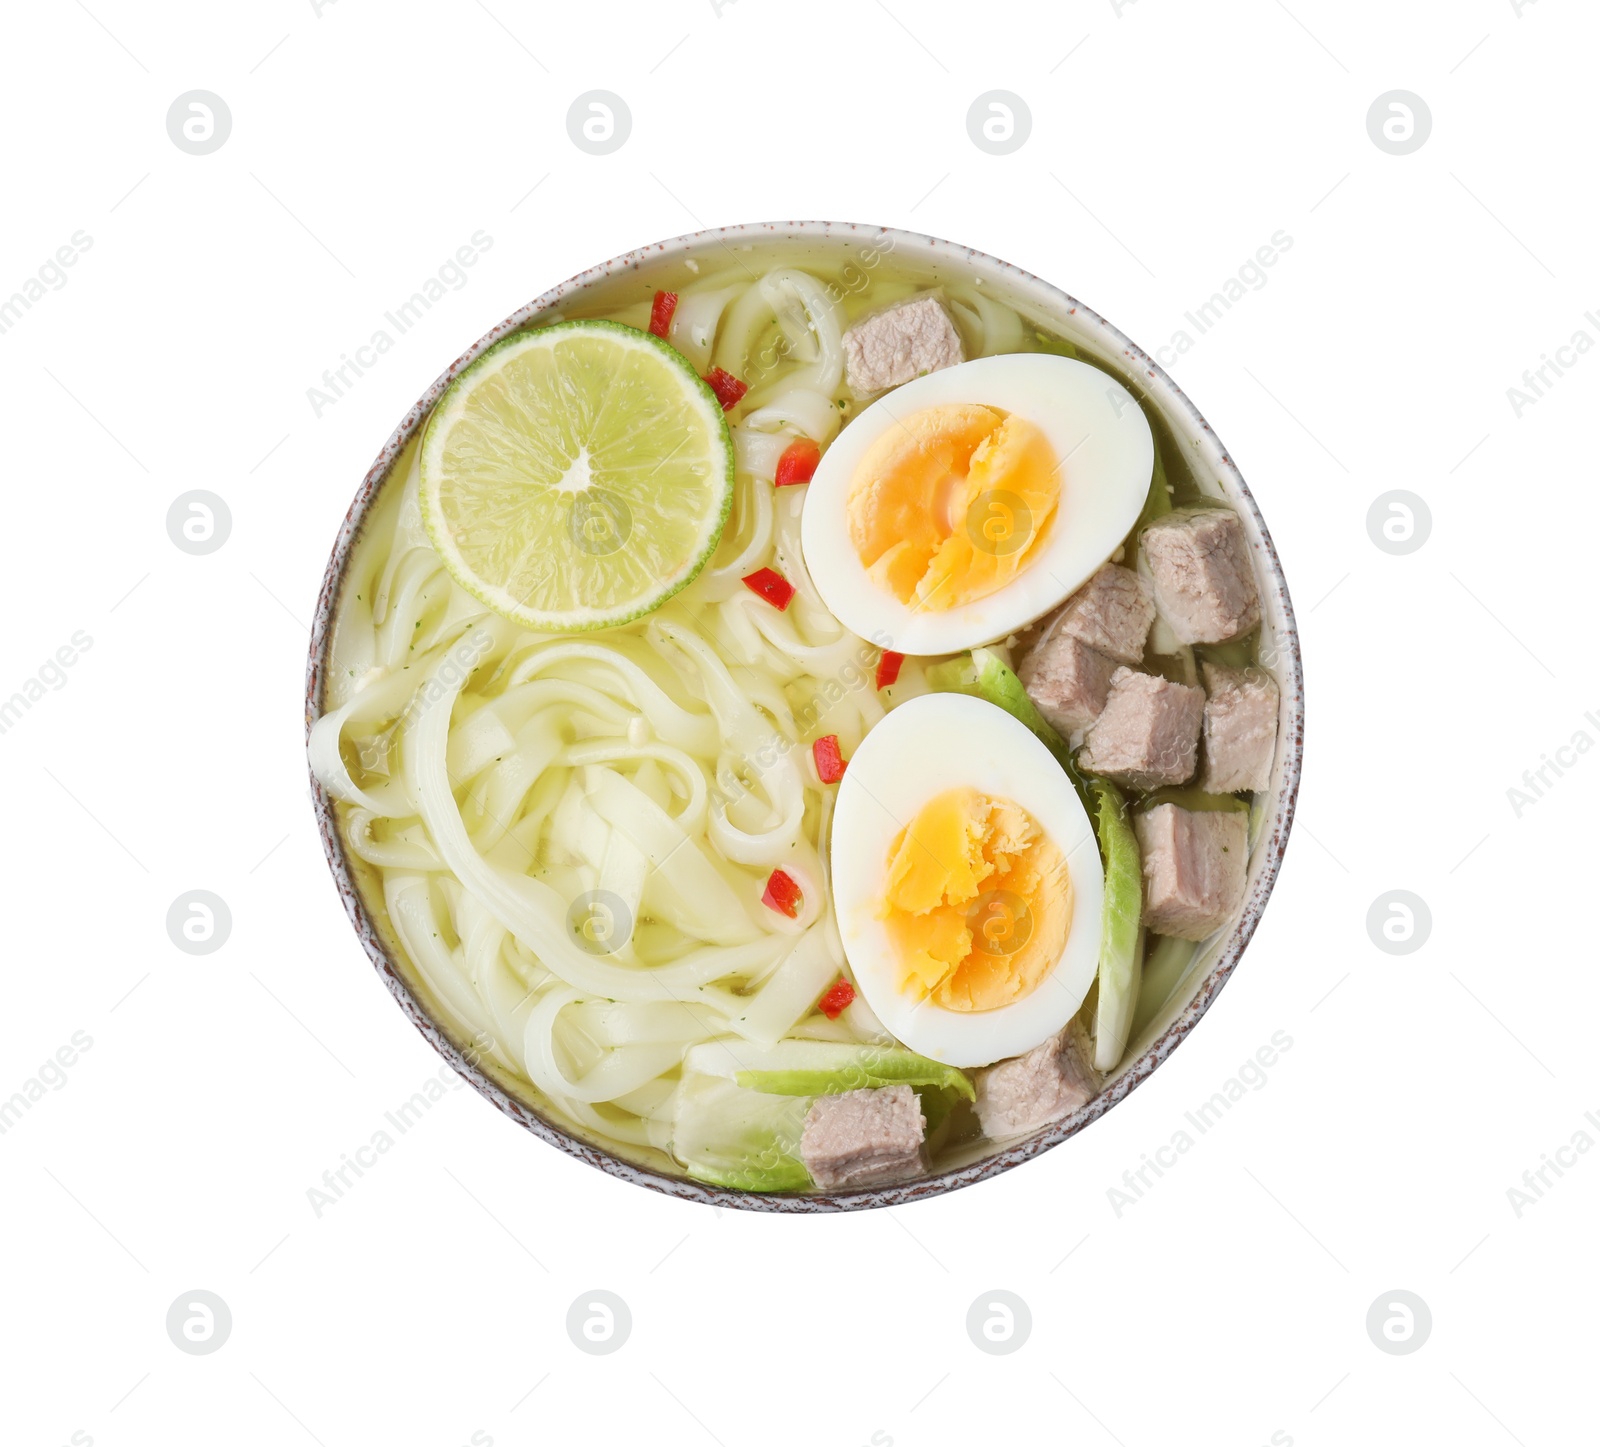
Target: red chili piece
[
  {"x": 798, "y": 462},
  {"x": 837, "y": 998},
  {"x": 830, "y": 762},
  {"x": 661, "y": 310},
  {"x": 774, "y": 587},
  {"x": 782, "y": 894},
  {"x": 889, "y": 667},
  {"x": 729, "y": 389}
]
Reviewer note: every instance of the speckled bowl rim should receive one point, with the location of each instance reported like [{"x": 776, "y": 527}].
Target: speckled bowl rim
[{"x": 1181, "y": 415}]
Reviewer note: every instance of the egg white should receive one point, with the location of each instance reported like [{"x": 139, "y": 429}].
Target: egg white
[
  {"x": 920, "y": 749},
  {"x": 1093, "y": 423}
]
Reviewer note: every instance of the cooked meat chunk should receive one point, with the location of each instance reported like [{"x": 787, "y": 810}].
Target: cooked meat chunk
[
  {"x": 1112, "y": 613},
  {"x": 1194, "y": 868},
  {"x": 1148, "y": 731},
  {"x": 902, "y": 342},
  {"x": 863, "y": 1137},
  {"x": 1200, "y": 563},
  {"x": 1017, "y": 1097},
  {"x": 1067, "y": 680},
  {"x": 1240, "y": 729}
]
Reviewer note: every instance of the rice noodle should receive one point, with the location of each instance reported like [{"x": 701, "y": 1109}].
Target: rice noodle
[
  {"x": 798, "y": 407},
  {"x": 694, "y": 322},
  {"x": 573, "y": 832},
  {"x": 1000, "y": 328}
]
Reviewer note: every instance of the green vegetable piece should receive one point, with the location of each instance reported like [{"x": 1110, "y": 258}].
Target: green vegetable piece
[
  {"x": 853, "y": 1067},
  {"x": 954, "y": 675},
  {"x": 737, "y": 1138},
  {"x": 781, "y": 1175},
  {"x": 1166, "y": 967},
  {"x": 936, "y": 1107},
  {"x": 1121, "y": 934},
  {"x": 740, "y": 1128}
]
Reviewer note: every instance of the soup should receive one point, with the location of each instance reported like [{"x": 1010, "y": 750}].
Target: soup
[{"x": 799, "y": 718}]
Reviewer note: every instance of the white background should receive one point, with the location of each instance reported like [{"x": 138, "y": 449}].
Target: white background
[{"x": 1168, "y": 143}]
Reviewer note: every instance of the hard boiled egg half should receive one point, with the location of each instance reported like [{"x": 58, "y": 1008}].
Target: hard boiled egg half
[
  {"x": 967, "y": 881},
  {"x": 969, "y": 502}
]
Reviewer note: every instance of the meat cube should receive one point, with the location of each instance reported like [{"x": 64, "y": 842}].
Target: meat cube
[
  {"x": 1112, "y": 613},
  {"x": 1200, "y": 564},
  {"x": 1067, "y": 680},
  {"x": 1148, "y": 732},
  {"x": 1240, "y": 729},
  {"x": 863, "y": 1137},
  {"x": 1019, "y": 1096},
  {"x": 1194, "y": 868},
  {"x": 899, "y": 343}
]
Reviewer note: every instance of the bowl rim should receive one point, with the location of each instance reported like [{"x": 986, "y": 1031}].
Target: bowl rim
[{"x": 1150, "y": 378}]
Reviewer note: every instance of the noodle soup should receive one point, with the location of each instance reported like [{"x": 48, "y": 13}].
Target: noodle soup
[{"x": 800, "y": 720}]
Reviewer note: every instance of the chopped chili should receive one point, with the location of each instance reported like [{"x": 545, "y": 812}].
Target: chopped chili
[
  {"x": 774, "y": 587},
  {"x": 729, "y": 389},
  {"x": 798, "y": 463},
  {"x": 889, "y": 667},
  {"x": 829, "y": 761},
  {"x": 782, "y": 894},
  {"x": 661, "y": 310},
  {"x": 837, "y": 998}
]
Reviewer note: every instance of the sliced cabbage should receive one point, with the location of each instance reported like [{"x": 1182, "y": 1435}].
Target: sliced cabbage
[
  {"x": 741, "y": 1109},
  {"x": 1121, "y": 933},
  {"x": 736, "y": 1138},
  {"x": 1165, "y": 969},
  {"x": 821, "y": 1067}
]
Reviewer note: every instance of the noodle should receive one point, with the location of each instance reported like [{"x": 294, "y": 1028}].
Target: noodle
[{"x": 572, "y": 832}]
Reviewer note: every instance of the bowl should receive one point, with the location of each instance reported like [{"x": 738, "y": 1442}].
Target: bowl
[{"x": 1217, "y": 474}]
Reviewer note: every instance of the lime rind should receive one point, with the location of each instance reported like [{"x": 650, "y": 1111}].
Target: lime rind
[{"x": 576, "y": 487}]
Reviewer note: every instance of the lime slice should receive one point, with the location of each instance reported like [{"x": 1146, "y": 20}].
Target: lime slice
[{"x": 576, "y": 476}]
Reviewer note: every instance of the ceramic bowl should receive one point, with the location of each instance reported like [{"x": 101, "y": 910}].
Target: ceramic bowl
[{"x": 663, "y": 264}]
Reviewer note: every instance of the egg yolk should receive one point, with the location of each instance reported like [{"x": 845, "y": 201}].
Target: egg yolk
[
  {"x": 978, "y": 902},
  {"x": 950, "y": 503}
]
